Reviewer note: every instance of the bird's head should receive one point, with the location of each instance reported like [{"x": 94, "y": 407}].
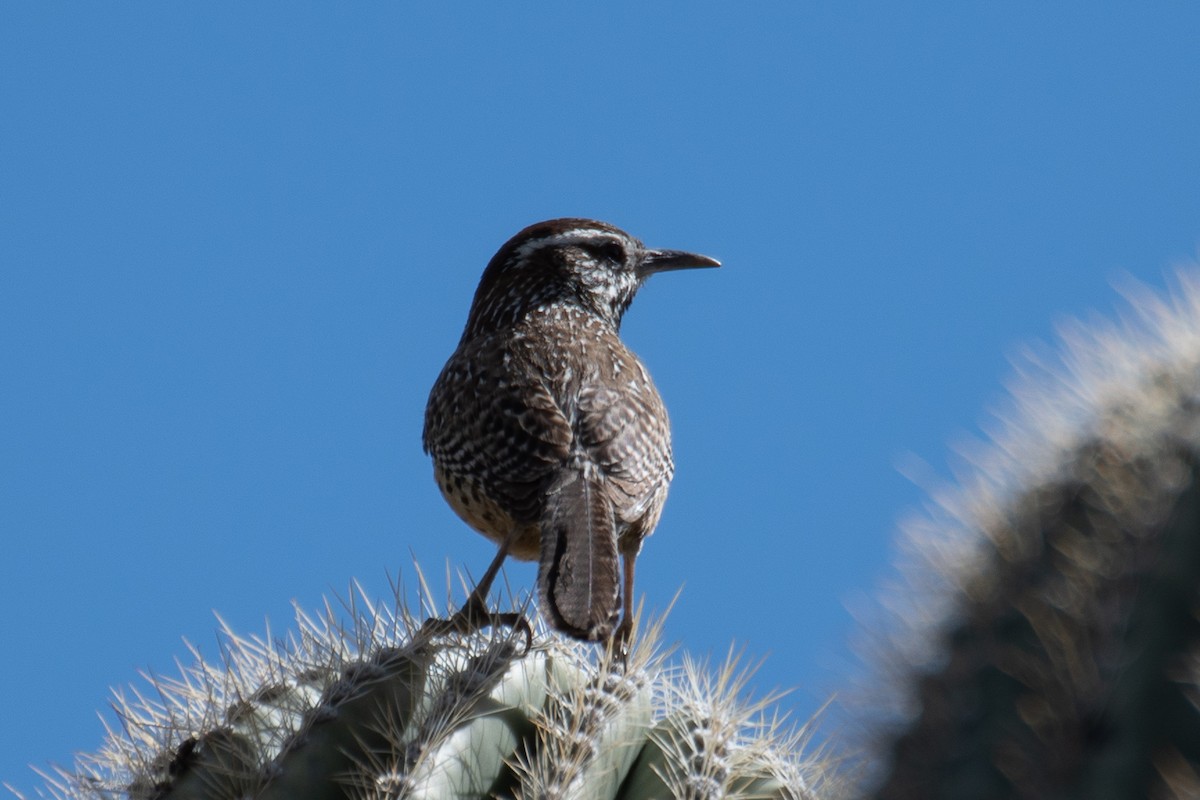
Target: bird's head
[{"x": 592, "y": 265}]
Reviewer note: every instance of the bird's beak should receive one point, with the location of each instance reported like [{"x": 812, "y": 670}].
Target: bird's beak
[{"x": 664, "y": 260}]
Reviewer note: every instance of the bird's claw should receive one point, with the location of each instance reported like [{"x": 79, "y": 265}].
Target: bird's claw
[{"x": 474, "y": 617}]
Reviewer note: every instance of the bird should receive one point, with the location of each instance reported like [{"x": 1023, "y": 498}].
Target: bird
[{"x": 546, "y": 433}]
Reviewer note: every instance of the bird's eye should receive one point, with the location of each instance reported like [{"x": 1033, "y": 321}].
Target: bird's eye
[{"x": 608, "y": 251}]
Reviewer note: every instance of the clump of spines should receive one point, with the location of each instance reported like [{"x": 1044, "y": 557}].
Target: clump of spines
[
  {"x": 710, "y": 742},
  {"x": 378, "y": 709},
  {"x": 594, "y": 721}
]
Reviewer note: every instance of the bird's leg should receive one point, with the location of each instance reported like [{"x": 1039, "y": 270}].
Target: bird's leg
[
  {"x": 624, "y": 632},
  {"x": 474, "y": 614}
]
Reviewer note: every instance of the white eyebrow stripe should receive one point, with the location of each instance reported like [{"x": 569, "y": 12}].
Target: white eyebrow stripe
[{"x": 570, "y": 236}]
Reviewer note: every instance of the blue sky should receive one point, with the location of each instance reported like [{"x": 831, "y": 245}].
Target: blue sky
[{"x": 239, "y": 241}]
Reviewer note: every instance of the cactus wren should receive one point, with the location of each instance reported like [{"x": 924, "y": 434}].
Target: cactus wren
[{"x": 546, "y": 432}]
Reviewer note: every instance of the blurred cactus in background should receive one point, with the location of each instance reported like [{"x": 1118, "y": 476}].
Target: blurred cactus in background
[
  {"x": 1047, "y": 643},
  {"x": 1044, "y": 643}
]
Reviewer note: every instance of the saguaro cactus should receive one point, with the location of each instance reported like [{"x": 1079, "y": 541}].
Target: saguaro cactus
[{"x": 382, "y": 710}]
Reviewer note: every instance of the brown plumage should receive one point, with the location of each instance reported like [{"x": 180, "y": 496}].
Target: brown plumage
[{"x": 546, "y": 432}]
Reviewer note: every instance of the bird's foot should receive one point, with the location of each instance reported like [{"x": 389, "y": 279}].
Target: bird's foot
[
  {"x": 621, "y": 641},
  {"x": 474, "y": 617}
]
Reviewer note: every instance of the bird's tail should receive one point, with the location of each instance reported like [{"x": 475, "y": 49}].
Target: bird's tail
[{"x": 578, "y": 579}]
